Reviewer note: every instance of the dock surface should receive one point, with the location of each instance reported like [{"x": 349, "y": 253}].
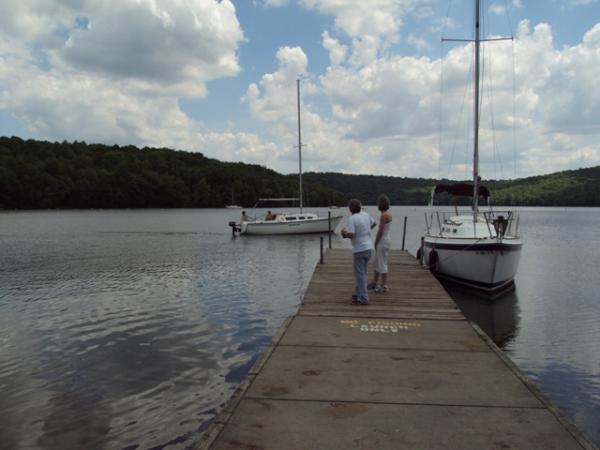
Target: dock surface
[{"x": 408, "y": 371}]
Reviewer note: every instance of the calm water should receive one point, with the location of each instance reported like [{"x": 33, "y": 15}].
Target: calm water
[{"x": 129, "y": 329}]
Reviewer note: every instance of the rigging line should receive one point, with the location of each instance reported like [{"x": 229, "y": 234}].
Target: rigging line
[
  {"x": 510, "y": 27},
  {"x": 496, "y": 153},
  {"x": 441, "y": 105},
  {"x": 484, "y": 70},
  {"x": 514, "y": 115},
  {"x": 441, "y": 100},
  {"x": 459, "y": 120},
  {"x": 487, "y": 88},
  {"x": 461, "y": 117},
  {"x": 446, "y": 19}
]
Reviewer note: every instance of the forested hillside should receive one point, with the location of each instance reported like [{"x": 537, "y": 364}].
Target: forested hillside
[
  {"x": 401, "y": 191},
  {"x": 37, "y": 174},
  {"x": 579, "y": 187}
]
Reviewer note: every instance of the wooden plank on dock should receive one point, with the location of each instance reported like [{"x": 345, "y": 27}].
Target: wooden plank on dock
[{"x": 406, "y": 371}]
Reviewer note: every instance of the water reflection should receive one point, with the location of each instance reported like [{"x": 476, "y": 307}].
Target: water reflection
[
  {"x": 133, "y": 336},
  {"x": 498, "y": 317},
  {"x": 579, "y": 399}
]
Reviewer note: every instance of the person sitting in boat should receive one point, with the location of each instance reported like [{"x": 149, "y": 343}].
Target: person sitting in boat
[
  {"x": 270, "y": 216},
  {"x": 246, "y": 217}
]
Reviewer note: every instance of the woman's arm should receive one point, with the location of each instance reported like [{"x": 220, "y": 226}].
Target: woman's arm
[{"x": 379, "y": 230}]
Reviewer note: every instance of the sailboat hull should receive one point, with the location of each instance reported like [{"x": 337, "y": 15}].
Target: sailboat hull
[
  {"x": 489, "y": 265},
  {"x": 266, "y": 227}
]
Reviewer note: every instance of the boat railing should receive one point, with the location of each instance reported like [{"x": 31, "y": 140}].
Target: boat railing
[{"x": 499, "y": 223}]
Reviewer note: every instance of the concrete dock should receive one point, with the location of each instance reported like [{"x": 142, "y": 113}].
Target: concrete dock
[{"x": 407, "y": 371}]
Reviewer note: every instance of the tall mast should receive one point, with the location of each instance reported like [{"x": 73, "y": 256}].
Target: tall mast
[
  {"x": 299, "y": 145},
  {"x": 476, "y": 116}
]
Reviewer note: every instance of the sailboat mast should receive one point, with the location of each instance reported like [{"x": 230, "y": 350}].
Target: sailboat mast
[
  {"x": 476, "y": 115},
  {"x": 299, "y": 145}
]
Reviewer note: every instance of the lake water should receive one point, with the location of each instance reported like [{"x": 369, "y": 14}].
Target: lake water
[{"x": 129, "y": 329}]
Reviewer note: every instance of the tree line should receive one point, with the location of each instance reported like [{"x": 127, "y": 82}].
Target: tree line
[
  {"x": 38, "y": 174},
  {"x": 579, "y": 187},
  {"x": 44, "y": 175}
]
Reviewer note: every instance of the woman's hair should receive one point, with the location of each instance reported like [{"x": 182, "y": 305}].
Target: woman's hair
[
  {"x": 354, "y": 206},
  {"x": 383, "y": 203}
]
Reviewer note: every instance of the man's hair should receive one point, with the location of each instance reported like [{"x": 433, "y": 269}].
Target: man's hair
[
  {"x": 383, "y": 203},
  {"x": 354, "y": 205}
]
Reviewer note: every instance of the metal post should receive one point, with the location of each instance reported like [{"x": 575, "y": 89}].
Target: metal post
[
  {"x": 329, "y": 226},
  {"x": 404, "y": 233},
  {"x": 321, "y": 249}
]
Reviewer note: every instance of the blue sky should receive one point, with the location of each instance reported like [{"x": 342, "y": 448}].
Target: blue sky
[{"x": 380, "y": 93}]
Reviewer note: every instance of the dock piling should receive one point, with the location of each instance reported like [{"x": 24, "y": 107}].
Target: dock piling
[
  {"x": 404, "y": 233},
  {"x": 321, "y": 260},
  {"x": 329, "y": 227}
]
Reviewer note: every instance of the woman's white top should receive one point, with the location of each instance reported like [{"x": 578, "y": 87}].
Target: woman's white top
[{"x": 385, "y": 237}]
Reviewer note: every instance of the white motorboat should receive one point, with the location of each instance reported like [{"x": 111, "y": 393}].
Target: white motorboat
[
  {"x": 284, "y": 222},
  {"x": 479, "y": 247}
]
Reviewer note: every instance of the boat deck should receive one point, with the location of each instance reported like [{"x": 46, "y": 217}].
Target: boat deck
[{"x": 406, "y": 371}]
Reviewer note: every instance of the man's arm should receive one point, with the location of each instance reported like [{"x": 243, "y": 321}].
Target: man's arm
[{"x": 347, "y": 234}]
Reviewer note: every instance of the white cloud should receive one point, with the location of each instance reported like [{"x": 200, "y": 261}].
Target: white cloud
[
  {"x": 382, "y": 18},
  {"x": 278, "y": 98},
  {"x": 113, "y": 71},
  {"x": 418, "y": 43},
  {"x": 582, "y": 2},
  {"x": 571, "y": 101},
  {"x": 337, "y": 51},
  {"x": 245, "y": 147},
  {"x": 497, "y": 8},
  {"x": 385, "y": 110},
  {"x": 275, "y": 3},
  {"x": 157, "y": 43},
  {"x": 500, "y": 8}
]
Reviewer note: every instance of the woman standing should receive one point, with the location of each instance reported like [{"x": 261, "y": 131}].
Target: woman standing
[{"x": 382, "y": 245}]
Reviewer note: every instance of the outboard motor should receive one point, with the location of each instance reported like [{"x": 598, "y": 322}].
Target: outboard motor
[{"x": 235, "y": 228}]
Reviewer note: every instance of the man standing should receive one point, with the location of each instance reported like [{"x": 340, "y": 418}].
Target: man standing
[{"x": 358, "y": 230}]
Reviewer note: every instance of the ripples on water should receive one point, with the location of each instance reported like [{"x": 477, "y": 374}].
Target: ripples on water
[
  {"x": 114, "y": 338},
  {"x": 129, "y": 329},
  {"x": 549, "y": 325}
]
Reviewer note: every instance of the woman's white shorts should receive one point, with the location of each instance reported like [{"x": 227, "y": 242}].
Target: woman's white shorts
[{"x": 381, "y": 257}]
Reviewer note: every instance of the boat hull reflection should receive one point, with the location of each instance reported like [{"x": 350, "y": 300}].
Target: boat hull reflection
[{"x": 499, "y": 319}]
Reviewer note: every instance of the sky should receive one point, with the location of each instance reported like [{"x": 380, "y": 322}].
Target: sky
[{"x": 381, "y": 91}]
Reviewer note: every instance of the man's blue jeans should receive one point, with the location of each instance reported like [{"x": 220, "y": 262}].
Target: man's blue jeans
[{"x": 361, "y": 261}]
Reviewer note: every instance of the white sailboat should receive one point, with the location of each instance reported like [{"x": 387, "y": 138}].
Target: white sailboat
[
  {"x": 480, "y": 247},
  {"x": 232, "y": 205},
  {"x": 286, "y": 222}
]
